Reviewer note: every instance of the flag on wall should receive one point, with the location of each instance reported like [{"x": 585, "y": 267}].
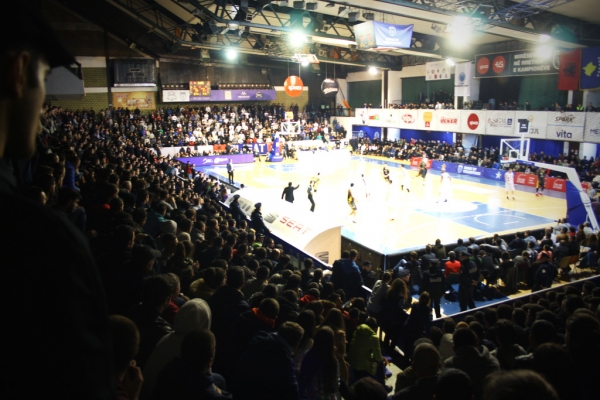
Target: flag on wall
[
  {"x": 568, "y": 71},
  {"x": 590, "y": 68}
]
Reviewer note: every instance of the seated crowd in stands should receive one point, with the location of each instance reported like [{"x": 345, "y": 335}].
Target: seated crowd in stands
[{"x": 205, "y": 305}]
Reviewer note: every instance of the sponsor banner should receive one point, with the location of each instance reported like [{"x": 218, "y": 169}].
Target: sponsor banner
[
  {"x": 408, "y": 119},
  {"x": 218, "y": 160},
  {"x": 565, "y": 126},
  {"x": 329, "y": 88},
  {"x": 371, "y": 132},
  {"x": 425, "y": 120},
  {"x": 591, "y": 133},
  {"x": 569, "y": 67},
  {"x": 500, "y": 123},
  {"x": 463, "y": 73},
  {"x": 473, "y": 122},
  {"x": 471, "y": 170},
  {"x": 133, "y": 100},
  {"x": 175, "y": 96},
  {"x": 556, "y": 184},
  {"x": 516, "y": 63},
  {"x": 390, "y": 118},
  {"x": 438, "y": 70},
  {"x": 447, "y": 120},
  {"x": 537, "y": 123},
  {"x": 415, "y": 161},
  {"x": 293, "y": 86},
  {"x": 380, "y": 35},
  {"x": 525, "y": 179},
  {"x": 590, "y": 68}
]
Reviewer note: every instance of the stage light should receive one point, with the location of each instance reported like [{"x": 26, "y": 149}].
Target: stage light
[
  {"x": 544, "y": 38},
  {"x": 450, "y": 62},
  {"x": 305, "y": 63},
  {"x": 373, "y": 70},
  {"x": 297, "y": 38},
  {"x": 544, "y": 51},
  {"x": 231, "y": 54}
]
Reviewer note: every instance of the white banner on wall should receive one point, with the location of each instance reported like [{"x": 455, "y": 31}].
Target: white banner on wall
[
  {"x": 437, "y": 71},
  {"x": 175, "y": 96},
  {"x": 463, "y": 74},
  {"x": 408, "y": 119},
  {"x": 565, "y": 126},
  {"x": 537, "y": 123},
  {"x": 500, "y": 123},
  {"x": 473, "y": 121},
  {"x": 591, "y": 133},
  {"x": 447, "y": 120},
  {"x": 389, "y": 118}
]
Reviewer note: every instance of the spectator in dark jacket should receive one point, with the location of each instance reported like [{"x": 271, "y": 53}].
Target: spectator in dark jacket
[
  {"x": 226, "y": 304},
  {"x": 266, "y": 370}
]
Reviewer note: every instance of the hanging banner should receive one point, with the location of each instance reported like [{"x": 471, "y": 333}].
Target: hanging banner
[
  {"x": 380, "y": 35},
  {"x": 590, "y": 68},
  {"x": 500, "y": 123},
  {"x": 463, "y": 73},
  {"x": 516, "y": 63},
  {"x": 293, "y": 86},
  {"x": 591, "y": 133},
  {"x": 132, "y": 100},
  {"x": 437, "y": 71},
  {"x": 473, "y": 122},
  {"x": 537, "y": 124},
  {"x": 568, "y": 73},
  {"x": 565, "y": 126},
  {"x": 329, "y": 88},
  {"x": 408, "y": 119}
]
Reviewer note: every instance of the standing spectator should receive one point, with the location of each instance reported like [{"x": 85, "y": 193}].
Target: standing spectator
[{"x": 288, "y": 192}]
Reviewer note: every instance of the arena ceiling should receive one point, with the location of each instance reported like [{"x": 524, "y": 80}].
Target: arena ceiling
[{"x": 260, "y": 30}]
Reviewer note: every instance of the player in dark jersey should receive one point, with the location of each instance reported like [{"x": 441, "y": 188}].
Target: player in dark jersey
[
  {"x": 541, "y": 182},
  {"x": 386, "y": 173}
]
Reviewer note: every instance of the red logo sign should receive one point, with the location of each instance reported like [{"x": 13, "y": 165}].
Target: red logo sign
[
  {"x": 473, "y": 122},
  {"x": 408, "y": 119},
  {"x": 483, "y": 65},
  {"x": 294, "y": 225},
  {"x": 499, "y": 64},
  {"x": 293, "y": 86},
  {"x": 445, "y": 120}
]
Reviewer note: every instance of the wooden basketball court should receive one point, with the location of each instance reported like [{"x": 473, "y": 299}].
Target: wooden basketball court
[{"x": 391, "y": 220}]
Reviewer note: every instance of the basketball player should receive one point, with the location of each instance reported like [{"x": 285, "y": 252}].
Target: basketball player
[
  {"x": 541, "y": 183},
  {"x": 423, "y": 168},
  {"x": 352, "y": 203},
  {"x": 365, "y": 187},
  {"x": 309, "y": 191},
  {"x": 404, "y": 178},
  {"x": 509, "y": 182},
  {"x": 315, "y": 181},
  {"x": 389, "y": 199},
  {"x": 386, "y": 173},
  {"x": 445, "y": 186}
]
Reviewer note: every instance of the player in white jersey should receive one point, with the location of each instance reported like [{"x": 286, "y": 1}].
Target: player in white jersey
[
  {"x": 509, "y": 182},
  {"x": 365, "y": 186},
  {"x": 404, "y": 178},
  {"x": 445, "y": 186}
]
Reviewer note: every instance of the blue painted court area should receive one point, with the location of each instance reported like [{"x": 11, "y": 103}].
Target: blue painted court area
[
  {"x": 283, "y": 167},
  {"x": 485, "y": 217}
]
